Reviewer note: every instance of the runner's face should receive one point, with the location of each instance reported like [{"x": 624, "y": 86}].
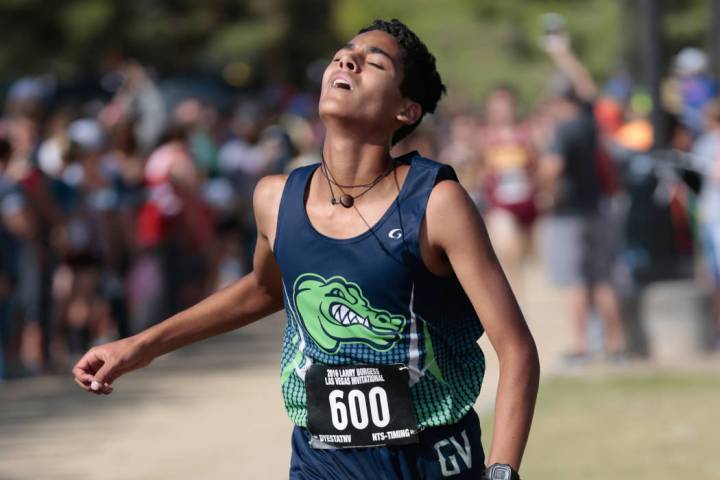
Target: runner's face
[
  {"x": 501, "y": 108},
  {"x": 362, "y": 83}
]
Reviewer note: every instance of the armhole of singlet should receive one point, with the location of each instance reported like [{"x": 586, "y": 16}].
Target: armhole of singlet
[
  {"x": 283, "y": 208},
  {"x": 441, "y": 173}
]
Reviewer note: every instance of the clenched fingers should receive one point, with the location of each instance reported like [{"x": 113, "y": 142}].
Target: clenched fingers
[{"x": 89, "y": 364}]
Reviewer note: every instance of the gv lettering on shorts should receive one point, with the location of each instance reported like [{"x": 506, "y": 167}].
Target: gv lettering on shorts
[{"x": 449, "y": 465}]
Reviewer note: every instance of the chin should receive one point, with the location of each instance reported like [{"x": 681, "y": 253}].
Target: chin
[{"x": 330, "y": 108}]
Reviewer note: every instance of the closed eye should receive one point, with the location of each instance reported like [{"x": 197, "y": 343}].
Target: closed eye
[{"x": 376, "y": 65}]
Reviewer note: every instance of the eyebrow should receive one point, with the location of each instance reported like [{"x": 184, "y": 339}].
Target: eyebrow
[{"x": 370, "y": 49}]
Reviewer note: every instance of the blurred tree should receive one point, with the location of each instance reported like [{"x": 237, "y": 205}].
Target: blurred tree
[
  {"x": 480, "y": 44},
  {"x": 477, "y": 43},
  {"x": 684, "y": 23},
  {"x": 307, "y": 38},
  {"x": 73, "y": 37},
  {"x": 714, "y": 36}
]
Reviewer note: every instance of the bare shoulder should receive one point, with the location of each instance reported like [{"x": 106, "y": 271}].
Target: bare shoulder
[
  {"x": 451, "y": 214},
  {"x": 270, "y": 188},
  {"x": 449, "y": 200},
  {"x": 266, "y": 202}
]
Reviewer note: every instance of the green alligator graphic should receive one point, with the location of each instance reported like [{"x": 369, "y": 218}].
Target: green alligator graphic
[{"x": 335, "y": 312}]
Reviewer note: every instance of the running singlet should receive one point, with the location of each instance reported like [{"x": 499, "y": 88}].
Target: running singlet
[
  {"x": 370, "y": 300},
  {"x": 508, "y": 183}
]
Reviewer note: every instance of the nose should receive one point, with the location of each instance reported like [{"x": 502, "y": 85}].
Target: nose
[{"x": 347, "y": 62}]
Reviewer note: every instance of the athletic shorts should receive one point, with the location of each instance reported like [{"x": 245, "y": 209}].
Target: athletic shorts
[
  {"x": 711, "y": 245},
  {"x": 450, "y": 451},
  {"x": 578, "y": 250}
]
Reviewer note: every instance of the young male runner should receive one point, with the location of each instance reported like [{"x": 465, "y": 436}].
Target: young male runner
[{"x": 385, "y": 269}]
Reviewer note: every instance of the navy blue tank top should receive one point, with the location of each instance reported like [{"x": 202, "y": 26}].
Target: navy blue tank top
[{"x": 370, "y": 299}]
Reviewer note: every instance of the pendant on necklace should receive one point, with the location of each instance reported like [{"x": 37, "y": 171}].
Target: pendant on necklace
[{"x": 346, "y": 200}]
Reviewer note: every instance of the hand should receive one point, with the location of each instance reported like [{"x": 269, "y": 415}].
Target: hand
[
  {"x": 134, "y": 76},
  {"x": 556, "y": 44},
  {"x": 102, "y": 365}
]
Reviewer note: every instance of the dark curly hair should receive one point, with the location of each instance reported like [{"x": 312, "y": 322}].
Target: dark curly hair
[{"x": 421, "y": 81}]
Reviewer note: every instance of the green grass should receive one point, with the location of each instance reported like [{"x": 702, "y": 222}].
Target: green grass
[{"x": 634, "y": 426}]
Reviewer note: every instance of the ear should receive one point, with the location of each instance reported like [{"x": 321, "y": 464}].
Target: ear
[{"x": 410, "y": 113}]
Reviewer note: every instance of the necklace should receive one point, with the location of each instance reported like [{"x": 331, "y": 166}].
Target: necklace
[{"x": 347, "y": 200}]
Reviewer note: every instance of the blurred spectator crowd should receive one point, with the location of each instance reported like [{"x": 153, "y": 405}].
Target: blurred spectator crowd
[{"x": 122, "y": 209}]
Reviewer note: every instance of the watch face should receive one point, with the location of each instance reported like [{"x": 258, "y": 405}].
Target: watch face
[{"x": 500, "y": 472}]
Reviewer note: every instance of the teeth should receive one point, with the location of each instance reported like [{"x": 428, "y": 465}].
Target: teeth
[
  {"x": 342, "y": 83},
  {"x": 345, "y": 316}
]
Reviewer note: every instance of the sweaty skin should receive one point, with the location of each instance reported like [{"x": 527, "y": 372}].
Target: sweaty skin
[{"x": 334, "y": 311}]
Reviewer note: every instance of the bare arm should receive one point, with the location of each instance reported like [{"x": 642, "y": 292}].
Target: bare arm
[
  {"x": 463, "y": 240},
  {"x": 558, "y": 48},
  {"x": 251, "y": 298}
]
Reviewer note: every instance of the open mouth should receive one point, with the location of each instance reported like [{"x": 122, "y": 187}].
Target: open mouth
[
  {"x": 345, "y": 316},
  {"x": 340, "y": 83}
]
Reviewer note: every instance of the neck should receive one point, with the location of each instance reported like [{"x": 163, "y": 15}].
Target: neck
[{"x": 355, "y": 160}]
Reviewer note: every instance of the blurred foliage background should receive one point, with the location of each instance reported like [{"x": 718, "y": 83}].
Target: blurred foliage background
[{"x": 477, "y": 42}]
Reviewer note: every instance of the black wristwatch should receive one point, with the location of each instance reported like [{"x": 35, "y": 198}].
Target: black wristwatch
[{"x": 500, "y": 471}]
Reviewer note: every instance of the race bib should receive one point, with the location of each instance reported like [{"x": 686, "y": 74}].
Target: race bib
[
  {"x": 513, "y": 187},
  {"x": 359, "y": 406}
]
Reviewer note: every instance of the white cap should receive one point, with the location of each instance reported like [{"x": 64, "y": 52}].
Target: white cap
[
  {"x": 87, "y": 133},
  {"x": 690, "y": 61}
]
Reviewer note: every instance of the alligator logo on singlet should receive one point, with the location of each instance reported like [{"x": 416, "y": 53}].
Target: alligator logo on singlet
[{"x": 335, "y": 312}]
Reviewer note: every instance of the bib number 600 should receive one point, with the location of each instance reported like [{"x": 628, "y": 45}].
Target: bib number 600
[{"x": 357, "y": 407}]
